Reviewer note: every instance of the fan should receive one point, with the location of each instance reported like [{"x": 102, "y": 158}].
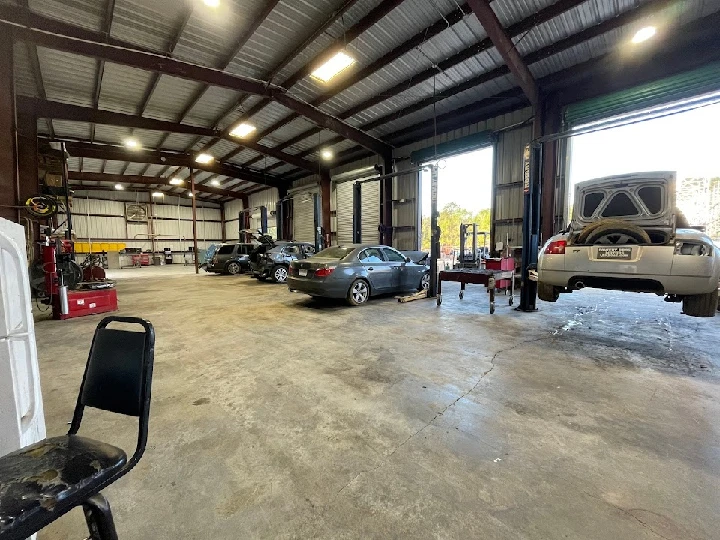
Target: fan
[{"x": 136, "y": 212}]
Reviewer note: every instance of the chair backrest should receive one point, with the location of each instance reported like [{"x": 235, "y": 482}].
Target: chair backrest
[{"x": 118, "y": 376}]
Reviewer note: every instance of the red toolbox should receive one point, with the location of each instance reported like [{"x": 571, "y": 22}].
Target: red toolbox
[
  {"x": 505, "y": 263},
  {"x": 83, "y": 303}
]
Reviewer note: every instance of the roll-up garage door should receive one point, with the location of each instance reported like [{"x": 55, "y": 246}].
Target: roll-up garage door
[
  {"x": 344, "y": 212},
  {"x": 657, "y": 93},
  {"x": 370, "y": 212},
  {"x": 304, "y": 217}
]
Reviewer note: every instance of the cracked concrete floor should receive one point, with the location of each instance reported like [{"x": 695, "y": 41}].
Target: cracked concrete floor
[{"x": 275, "y": 416}]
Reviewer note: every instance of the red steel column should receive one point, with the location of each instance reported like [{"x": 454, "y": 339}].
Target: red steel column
[
  {"x": 325, "y": 202},
  {"x": 9, "y": 187}
]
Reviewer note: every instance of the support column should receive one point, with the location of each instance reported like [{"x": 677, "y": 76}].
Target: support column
[
  {"x": 223, "y": 233},
  {"x": 386, "y": 205},
  {"x": 9, "y": 187},
  {"x": 27, "y": 155},
  {"x": 194, "y": 222},
  {"x": 552, "y": 121},
  {"x": 325, "y": 204}
]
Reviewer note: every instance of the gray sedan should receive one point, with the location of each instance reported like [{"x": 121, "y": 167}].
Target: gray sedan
[{"x": 357, "y": 272}]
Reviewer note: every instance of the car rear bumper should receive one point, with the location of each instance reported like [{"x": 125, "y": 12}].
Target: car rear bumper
[
  {"x": 682, "y": 285},
  {"x": 314, "y": 287}
]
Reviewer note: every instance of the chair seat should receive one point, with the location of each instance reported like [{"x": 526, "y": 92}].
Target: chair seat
[{"x": 41, "y": 482}]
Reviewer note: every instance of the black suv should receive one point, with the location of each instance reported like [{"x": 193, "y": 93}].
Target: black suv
[
  {"x": 274, "y": 262},
  {"x": 231, "y": 259}
]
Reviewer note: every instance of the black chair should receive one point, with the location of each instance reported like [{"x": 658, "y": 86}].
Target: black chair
[{"x": 43, "y": 481}]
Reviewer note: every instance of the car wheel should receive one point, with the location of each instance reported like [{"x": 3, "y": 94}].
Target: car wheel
[
  {"x": 424, "y": 282},
  {"x": 547, "y": 293},
  {"x": 359, "y": 292},
  {"x": 616, "y": 232},
  {"x": 279, "y": 274},
  {"x": 701, "y": 305},
  {"x": 233, "y": 268}
]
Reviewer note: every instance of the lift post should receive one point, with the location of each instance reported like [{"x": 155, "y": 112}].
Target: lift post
[
  {"x": 532, "y": 187},
  {"x": 434, "y": 232}
]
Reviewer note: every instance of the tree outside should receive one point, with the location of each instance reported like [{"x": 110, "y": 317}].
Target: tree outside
[{"x": 450, "y": 217}]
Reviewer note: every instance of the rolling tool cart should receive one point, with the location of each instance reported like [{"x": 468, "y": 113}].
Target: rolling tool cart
[{"x": 492, "y": 278}]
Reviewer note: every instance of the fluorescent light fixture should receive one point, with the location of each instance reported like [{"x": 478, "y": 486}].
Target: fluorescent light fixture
[
  {"x": 204, "y": 159},
  {"x": 214, "y": 182},
  {"x": 242, "y": 130},
  {"x": 212, "y": 3},
  {"x": 327, "y": 154},
  {"x": 132, "y": 144},
  {"x": 176, "y": 181},
  {"x": 190, "y": 194},
  {"x": 119, "y": 187},
  {"x": 332, "y": 67},
  {"x": 644, "y": 34},
  {"x": 158, "y": 194}
]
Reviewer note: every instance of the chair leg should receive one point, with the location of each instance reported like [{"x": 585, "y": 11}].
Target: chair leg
[{"x": 99, "y": 519}]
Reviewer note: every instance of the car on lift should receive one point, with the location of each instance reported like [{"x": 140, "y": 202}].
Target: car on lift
[
  {"x": 274, "y": 262},
  {"x": 230, "y": 258},
  {"x": 626, "y": 234},
  {"x": 358, "y": 272}
]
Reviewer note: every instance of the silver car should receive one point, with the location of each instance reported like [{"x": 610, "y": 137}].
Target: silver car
[
  {"x": 357, "y": 272},
  {"x": 627, "y": 235}
]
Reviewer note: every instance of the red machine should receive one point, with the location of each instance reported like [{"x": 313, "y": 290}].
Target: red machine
[
  {"x": 63, "y": 278},
  {"x": 504, "y": 264}
]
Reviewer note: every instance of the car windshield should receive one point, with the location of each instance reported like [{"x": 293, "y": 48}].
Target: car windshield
[{"x": 334, "y": 252}]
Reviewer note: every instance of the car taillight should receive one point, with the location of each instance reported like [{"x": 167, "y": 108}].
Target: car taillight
[
  {"x": 292, "y": 271},
  {"x": 556, "y": 247},
  {"x": 324, "y": 272}
]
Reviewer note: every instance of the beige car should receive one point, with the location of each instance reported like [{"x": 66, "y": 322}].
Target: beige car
[{"x": 627, "y": 235}]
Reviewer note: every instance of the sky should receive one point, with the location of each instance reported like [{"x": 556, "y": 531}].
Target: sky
[{"x": 465, "y": 180}]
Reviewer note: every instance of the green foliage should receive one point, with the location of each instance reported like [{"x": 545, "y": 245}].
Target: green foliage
[{"x": 449, "y": 220}]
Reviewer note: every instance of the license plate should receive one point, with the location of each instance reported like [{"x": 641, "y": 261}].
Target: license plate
[
  {"x": 618, "y": 253},
  {"x": 302, "y": 272}
]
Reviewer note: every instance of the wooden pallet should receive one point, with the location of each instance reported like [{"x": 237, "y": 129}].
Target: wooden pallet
[{"x": 412, "y": 297}]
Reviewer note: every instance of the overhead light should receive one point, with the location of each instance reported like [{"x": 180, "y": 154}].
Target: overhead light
[
  {"x": 190, "y": 194},
  {"x": 132, "y": 144},
  {"x": 158, "y": 194},
  {"x": 327, "y": 154},
  {"x": 119, "y": 187},
  {"x": 644, "y": 34},
  {"x": 212, "y": 3},
  {"x": 204, "y": 159},
  {"x": 242, "y": 130},
  {"x": 332, "y": 67},
  {"x": 214, "y": 182},
  {"x": 176, "y": 181}
]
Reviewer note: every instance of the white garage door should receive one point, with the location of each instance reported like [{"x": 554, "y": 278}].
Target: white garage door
[
  {"x": 344, "y": 212},
  {"x": 370, "y": 212},
  {"x": 303, "y": 217}
]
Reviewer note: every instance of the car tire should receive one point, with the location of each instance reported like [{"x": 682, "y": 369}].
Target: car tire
[
  {"x": 701, "y": 305},
  {"x": 547, "y": 293},
  {"x": 233, "y": 268},
  {"x": 424, "y": 282},
  {"x": 614, "y": 226},
  {"x": 359, "y": 292},
  {"x": 279, "y": 274}
]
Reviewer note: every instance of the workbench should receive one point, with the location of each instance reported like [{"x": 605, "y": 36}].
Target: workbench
[{"x": 477, "y": 276}]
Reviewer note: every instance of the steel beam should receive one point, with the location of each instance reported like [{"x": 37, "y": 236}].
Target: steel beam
[
  {"x": 9, "y": 189},
  {"x": 171, "y": 159},
  {"x": 76, "y": 113},
  {"x": 153, "y": 62},
  {"x": 506, "y": 48},
  {"x": 145, "y": 180}
]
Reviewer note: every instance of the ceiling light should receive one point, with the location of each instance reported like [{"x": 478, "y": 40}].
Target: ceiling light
[
  {"x": 176, "y": 181},
  {"x": 332, "y": 67},
  {"x": 644, "y": 34},
  {"x": 204, "y": 159},
  {"x": 212, "y": 3},
  {"x": 214, "y": 182},
  {"x": 242, "y": 130},
  {"x": 158, "y": 194},
  {"x": 190, "y": 194},
  {"x": 327, "y": 154},
  {"x": 119, "y": 187},
  {"x": 132, "y": 144}
]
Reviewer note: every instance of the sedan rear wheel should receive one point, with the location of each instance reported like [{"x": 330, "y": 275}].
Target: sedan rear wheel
[
  {"x": 359, "y": 292},
  {"x": 424, "y": 282},
  {"x": 280, "y": 274},
  {"x": 233, "y": 268}
]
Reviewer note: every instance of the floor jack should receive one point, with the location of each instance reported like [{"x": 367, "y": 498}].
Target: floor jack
[{"x": 69, "y": 296}]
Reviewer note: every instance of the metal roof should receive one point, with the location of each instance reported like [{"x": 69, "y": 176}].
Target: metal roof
[{"x": 284, "y": 43}]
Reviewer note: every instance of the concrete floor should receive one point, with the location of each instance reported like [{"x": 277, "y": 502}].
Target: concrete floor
[{"x": 275, "y": 416}]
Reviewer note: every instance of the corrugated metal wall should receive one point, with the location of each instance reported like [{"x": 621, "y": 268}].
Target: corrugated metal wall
[
  {"x": 232, "y": 225},
  {"x": 342, "y": 204},
  {"x": 99, "y": 220},
  {"x": 304, "y": 215},
  {"x": 267, "y": 198},
  {"x": 370, "y": 197},
  {"x": 406, "y": 208}
]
